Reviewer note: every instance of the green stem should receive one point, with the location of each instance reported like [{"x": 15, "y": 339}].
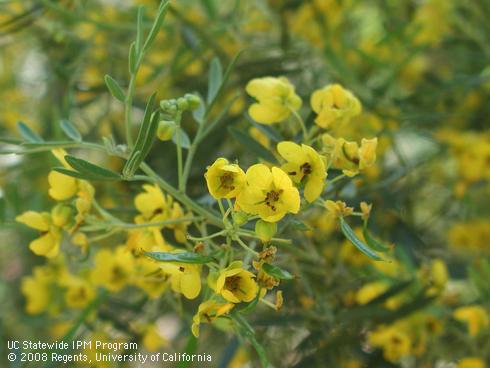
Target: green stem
[
  {"x": 301, "y": 122},
  {"x": 245, "y": 246},
  {"x": 181, "y": 197}
]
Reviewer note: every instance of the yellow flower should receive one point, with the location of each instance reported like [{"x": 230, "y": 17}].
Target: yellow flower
[
  {"x": 152, "y": 340},
  {"x": 474, "y": 315},
  {"x": 38, "y": 290},
  {"x": 79, "y": 291},
  {"x": 184, "y": 278},
  {"x": 367, "y": 153},
  {"x": 276, "y": 99},
  {"x": 151, "y": 203},
  {"x": 370, "y": 291},
  {"x": 113, "y": 269},
  {"x": 268, "y": 193},
  {"x": 48, "y": 244},
  {"x": 208, "y": 311},
  {"x": 234, "y": 283},
  {"x": 304, "y": 165},
  {"x": 61, "y": 186},
  {"x": 338, "y": 209},
  {"x": 333, "y": 104},
  {"x": 471, "y": 362},
  {"x": 395, "y": 342},
  {"x": 348, "y": 156},
  {"x": 154, "y": 206},
  {"x": 224, "y": 180}
]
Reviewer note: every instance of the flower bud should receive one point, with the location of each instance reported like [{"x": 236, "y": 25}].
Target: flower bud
[
  {"x": 265, "y": 230},
  {"x": 182, "y": 104},
  {"x": 61, "y": 215},
  {"x": 166, "y": 130},
  {"x": 193, "y": 101}
]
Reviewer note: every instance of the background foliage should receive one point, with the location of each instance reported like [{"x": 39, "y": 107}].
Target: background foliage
[{"x": 421, "y": 71}]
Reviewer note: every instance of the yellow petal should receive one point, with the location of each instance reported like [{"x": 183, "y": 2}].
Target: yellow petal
[
  {"x": 61, "y": 186},
  {"x": 35, "y": 220}
]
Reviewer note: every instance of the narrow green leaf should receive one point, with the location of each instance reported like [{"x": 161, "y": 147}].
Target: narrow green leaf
[
  {"x": 130, "y": 166},
  {"x": 215, "y": 79},
  {"x": 114, "y": 88},
  {"x": 248, "y": 333},
  {"x": 88, "y": 168},
  {"x": 277, "y": 272},
  {"x": 252, "y": 145},
  {"x": 47, "y": 144},
  {"x": 190, "y": 349},
  {"x": 269, "y": 131},
  {"x": 162, "y": 10},
  {"x": 298, "y": 225},
  {"x": 68, "y": 172},
  {"x": 27, "y": 133},
  {"x": 185, "y": 142},
  {"x": 70, "y": 130},
  {"x": 139, "y": 29},
  {"x": 10, "y": 140},
  {"x": 351, "y": 236},
  {"x": 184, "y": 257},
  {"x": 133, "y": 58},
  {"x": 372, "y": 242},
  {"x": 225, "y": 78},
  {"x": 145, "y": 138}
]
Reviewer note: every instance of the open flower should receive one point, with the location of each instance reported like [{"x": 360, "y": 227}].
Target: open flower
[
  {"x": 209, "y": 311},
  {"x": 184, "y": 278},
  {"x": 276, "y": 99},
  {"x": 348, "y": 156},
  {"x": 113, "y": 269},
  {"x": 474, "y": 316},
  {"x": 234, "y": 283},
  {"x": 224, "y": 180},
  {"x": 48, "y": 244},
  {"x": 333, "y": 104},
  {"x": 268, "y": 193},
  {"x": 304, "y": 165}
]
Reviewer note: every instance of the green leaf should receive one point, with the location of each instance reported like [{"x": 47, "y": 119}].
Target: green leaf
[
  {"x": 185, "y": 257},
  {"x": 245, "y": 330},
  {"x": 146, "y": 135},
  {"x": 10, "y": 140},
  {"x": 114, "y": 88},
  {"x": 269, "y": 131},
  {"x": 27, "y": 133},
  {"x": 351, "y": 236},
  {"x": 190, "y": 349},
  {"x": 74, "y": 174},
  {"x": 139, "y": 29},
  {"x": 133, "y": 58},
  {"x": 162, "y": 10},
  {"x": 185, "y": 141},
  {"x": 298, "y": 225},
  {"x": 215, "y": 79},
  {"x": 252, "y": 145},
  {"x": 372, "y": 242},
  {"x": 70, "y": 130},
  {"x": 277, "y": 272},
  {"x": 91, "y": 170}
]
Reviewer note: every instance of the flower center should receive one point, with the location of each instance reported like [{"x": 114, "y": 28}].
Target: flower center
[
  {"x": 232, "y": 283},
  {"x": 272, "y": 197},
  {"x": 306, "y": 168},
  {"x": 226, "y": 181}
]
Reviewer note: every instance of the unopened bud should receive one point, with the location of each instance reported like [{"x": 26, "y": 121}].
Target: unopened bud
[
  {"x": 240, "y": 218},
  {"x": 265, "y": 230},
  {"x": 182, "y": 104},
  {"x": 166, "y": 130},
  {"x": 193, "y": 101},
  {"x": 61, "y": 215}
]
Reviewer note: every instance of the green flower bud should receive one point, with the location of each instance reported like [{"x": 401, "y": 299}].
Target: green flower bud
[
  {"x": 61, "y": 215},
  {"x": 182, "y": 104},
  {"x": 193, "y": 101},
  {"x": 166, "y": 130},
  {"x": 265, "y": 230}
]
